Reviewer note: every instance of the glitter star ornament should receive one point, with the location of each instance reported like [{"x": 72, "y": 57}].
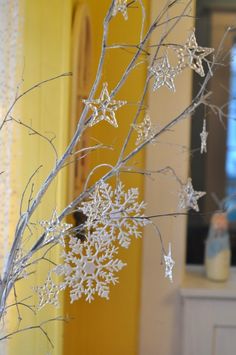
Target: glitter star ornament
[
  {"x": 164, "y": 74},
  {"x": 104, "y": 108},
  {"x": 203, "y": 136},
  {"x": 169, "y": 264},
  {"x": 188, "y": 198},
  {"x": 55, "y": 229},
  {"x": 144, "y": 130},
  {"x": 48, "y": 293},
  {"x": 120, "y": 6},
  {"x": 192, "y": 55}
]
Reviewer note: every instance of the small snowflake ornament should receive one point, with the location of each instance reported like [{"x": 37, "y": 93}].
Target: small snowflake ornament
[
  {"x": 164, "y": 74},
  {"x": 104, "y": 108},
  {"x": 145, "y": 130},
  {"x": 48, "y": 293},
  {"x": 203, "y": 136},
  {"x": 169, "y": 264},
  {"x": 192, "y": 55},
  {"x": 55, "y": 230},
  {"x": 120, "y": 6},
  {"x": 188, "y": 198},
  {"x": 89, "y": 268}
]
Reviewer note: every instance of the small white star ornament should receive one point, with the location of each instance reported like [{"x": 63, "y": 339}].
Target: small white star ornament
[
  {"x": 121, "y": 6},
  {"x": 192, "y": 55},
  {"x": 169, "y": 264},
  {"x": 144, "y": 130},
  {"x": 104, "y": 108},
  {"x": 188, "y": 197},
  {"x": 164, "y": 74},
  {"x": 203, "y": 136}
]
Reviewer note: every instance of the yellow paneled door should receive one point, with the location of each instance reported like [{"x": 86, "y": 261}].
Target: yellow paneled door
[{"x": 103, "y": 327}]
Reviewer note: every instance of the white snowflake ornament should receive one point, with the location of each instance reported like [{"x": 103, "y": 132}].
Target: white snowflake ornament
[
  {"x": 169, "y": 264},
  {"x": 114, "y": 214},
  {"x": 144, "y": 130},
  {"x": 188, "y": 197},
  {"x": 192, "y": 55},
  {"x": 89, "y": 268},
  {"x": 104, "y": 108},
  {"x": 203, "y": 136},
  {"x": 55, "y": 230},
  {"x": 164, "y": 74},
  {"x": 120, "y": 6}
]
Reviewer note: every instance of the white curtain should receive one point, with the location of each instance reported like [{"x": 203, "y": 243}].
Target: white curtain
[{"x": 10, "y": 48}]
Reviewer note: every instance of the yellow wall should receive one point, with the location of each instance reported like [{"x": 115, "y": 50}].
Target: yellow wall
[
  {"x": 111, "y": 327},
  {"x": 104, "y": 327}
]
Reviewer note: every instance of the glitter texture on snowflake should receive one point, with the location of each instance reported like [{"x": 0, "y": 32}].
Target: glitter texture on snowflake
[
  {"x": 188, "y": 197},
  {"x": 204, "y": 135},
  {"x": 104, "y": 108},
  {"x": 120, "y": 6},
  {"x": 114, "y": 214},
  {"x": 48, "y": 293},
  {"x": 145, "y": 130},
  {"x": 54, "y": 229},
  {"x": 169, "y": 264},
  {"x": 192, "y": 55},
  {"x": 89, "y": 268},
  {"x": 164, "y": 74}
]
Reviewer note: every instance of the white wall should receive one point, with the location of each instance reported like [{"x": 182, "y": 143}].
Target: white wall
[{"x": 160, "y": 327}]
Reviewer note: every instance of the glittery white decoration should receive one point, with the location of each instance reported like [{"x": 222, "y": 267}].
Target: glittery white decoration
[
  {"x": 204, "y": 135},
  {"x": 192, "y": 55},
  {"x": 145, "y": 130},
  {"x": 188, "y": 197},
  {"x": 48, "y": 293},
  {"x": 54, "y": 229},
  {"x": 121, "y": 6},
  {"x": 104, "y": 108},
  {"x": 164, "y": 74},
  {"x": 169, "y": 264},
  {"x": 114, "y": 214},
  {"x": 89, "y": 268}
]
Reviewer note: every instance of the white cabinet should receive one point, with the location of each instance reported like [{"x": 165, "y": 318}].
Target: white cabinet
[{"x": 208, "y": 316}]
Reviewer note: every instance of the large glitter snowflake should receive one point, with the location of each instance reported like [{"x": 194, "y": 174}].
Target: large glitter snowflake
[
  {"x": 55, "y": 230},
  {"x": 188, "y": 197},
  {"x": 120, "y": 6},
  {"x": 104, "y": 108},
  {"x": 164, "y": 74},
  {"x": 89, "y": 268},
  {"x": 145, "y": 130},
  {"x": 114, "y": 214},
  {"x": 192, "y": 55}
]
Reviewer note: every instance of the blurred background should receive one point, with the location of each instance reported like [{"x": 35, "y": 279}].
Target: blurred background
[{"x": 146, "y": 314}]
